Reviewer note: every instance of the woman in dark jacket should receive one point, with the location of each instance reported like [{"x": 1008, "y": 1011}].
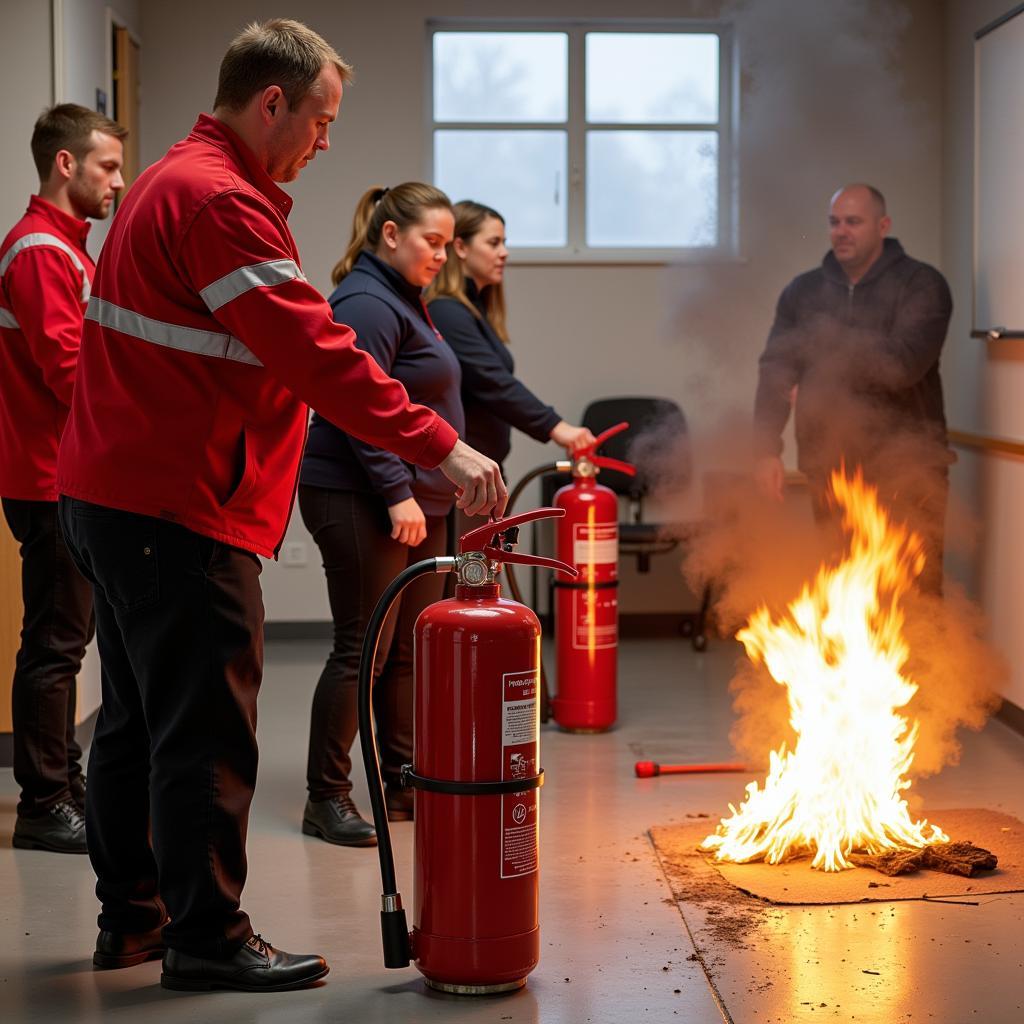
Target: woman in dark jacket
[
  {"x": 371, "y": 514},
  {"x": 467, "y": 303}
]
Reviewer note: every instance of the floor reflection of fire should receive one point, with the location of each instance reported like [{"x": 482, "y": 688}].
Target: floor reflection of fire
[{"x": 839, "y": 651}]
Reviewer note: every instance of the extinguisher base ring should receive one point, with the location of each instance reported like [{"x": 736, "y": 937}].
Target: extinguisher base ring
[
  {"x": 454, "y": 788},
  {"x": 475, "y": 990}
]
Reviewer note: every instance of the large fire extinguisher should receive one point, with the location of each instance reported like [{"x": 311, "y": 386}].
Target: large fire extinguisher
[
  {"x": 476, "y": 772},
  {"x": 586, "y": 602}
]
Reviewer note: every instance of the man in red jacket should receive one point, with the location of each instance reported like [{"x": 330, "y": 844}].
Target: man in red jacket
[
  {"x": 203, "y": 348},
  {"x": 45, "y": 277}
]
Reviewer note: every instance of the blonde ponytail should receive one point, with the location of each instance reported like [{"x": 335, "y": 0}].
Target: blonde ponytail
[{"x": 404, "y": 204}]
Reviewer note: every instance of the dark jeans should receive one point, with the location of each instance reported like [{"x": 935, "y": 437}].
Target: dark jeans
[
  {"x": 56, "y": 628},
  {"x": 360, "y": 560},
  {"x": 180, "y": 630}
]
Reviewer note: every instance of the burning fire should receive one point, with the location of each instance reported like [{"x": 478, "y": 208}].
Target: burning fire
[{"x": 840, "y": 653}]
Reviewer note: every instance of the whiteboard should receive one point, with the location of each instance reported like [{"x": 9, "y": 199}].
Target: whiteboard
[{"x": 998, "y": 308}]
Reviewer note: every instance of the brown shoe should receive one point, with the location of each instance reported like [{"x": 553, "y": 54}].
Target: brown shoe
[
  {"x": 61, "y": 829},
  {"x": 336, "y": 820},
  {"x": 256, "y": 967},
  {"x": 399, "y": 803},
  {"x": 126, "y": 949}
]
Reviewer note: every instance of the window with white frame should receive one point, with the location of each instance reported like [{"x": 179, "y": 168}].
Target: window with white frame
[{"x": 595, "y": 141}]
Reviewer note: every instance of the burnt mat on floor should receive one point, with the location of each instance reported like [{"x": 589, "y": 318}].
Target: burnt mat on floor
[{"x": 795, "y": 883}]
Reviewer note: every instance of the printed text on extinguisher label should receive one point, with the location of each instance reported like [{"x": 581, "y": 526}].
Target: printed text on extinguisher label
[
  {"x": 520, "y": 722},
  {"x": 595, "y": 619},
  {"x": 595, "y": 544}
]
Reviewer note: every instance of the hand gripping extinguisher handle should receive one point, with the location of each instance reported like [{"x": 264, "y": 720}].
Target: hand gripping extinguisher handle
[
  {"x": 394, "y": 929},
  {"x": 603, "y": 461}
]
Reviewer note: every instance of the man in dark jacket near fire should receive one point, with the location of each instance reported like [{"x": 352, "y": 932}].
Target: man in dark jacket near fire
[{"x": 855, "y": 347}]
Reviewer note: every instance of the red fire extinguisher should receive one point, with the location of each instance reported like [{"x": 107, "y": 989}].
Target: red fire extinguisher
[
  {"x": 586, "y": 604},
  {"x": 476, "y": 772}
]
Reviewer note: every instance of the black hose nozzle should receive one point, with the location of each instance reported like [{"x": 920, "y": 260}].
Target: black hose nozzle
[{"x": 395, "y": 932}]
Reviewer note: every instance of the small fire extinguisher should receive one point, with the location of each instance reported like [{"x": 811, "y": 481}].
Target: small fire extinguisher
[
  {"x": 587, "y": 603},
  {"x": 476, "y": 772}
]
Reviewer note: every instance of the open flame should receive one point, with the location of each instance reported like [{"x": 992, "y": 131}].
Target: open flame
[{"x": 840, "y": 653}]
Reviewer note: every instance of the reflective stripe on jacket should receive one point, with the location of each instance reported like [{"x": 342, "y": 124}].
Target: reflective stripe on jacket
[
  {"x": 45, "y": 278},
  {"x": 203, "y": 347}
]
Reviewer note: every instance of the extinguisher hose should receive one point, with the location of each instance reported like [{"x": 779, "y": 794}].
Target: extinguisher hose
[
  {"x": 548, "y": 467},
  {"x": 394, "y": 930}
]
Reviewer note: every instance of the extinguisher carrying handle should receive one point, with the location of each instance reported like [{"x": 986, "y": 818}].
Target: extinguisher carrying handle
[
  {"x": 603, "y": 461},
  {"x": 483, "y": 537},
  {"x": 394, "y": 929}
]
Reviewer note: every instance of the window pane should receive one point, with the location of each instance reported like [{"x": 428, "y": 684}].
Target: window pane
[
  {"x": 500, "y": 76},
  {"x": 664, "y": 77},
  {"x": 521, "y": 174},
  {"x": 652, "y": 189}
]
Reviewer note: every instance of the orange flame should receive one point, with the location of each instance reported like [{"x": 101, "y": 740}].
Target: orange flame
[{"x": 840, "y": 653}]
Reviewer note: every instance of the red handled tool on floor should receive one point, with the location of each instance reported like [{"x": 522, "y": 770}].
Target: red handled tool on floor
[
  {"x": 476, "y": 772},
  {"x": 649, "y": 769}
]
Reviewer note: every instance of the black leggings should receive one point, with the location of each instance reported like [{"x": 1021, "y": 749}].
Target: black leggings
[{"x": 353, "y": 532}]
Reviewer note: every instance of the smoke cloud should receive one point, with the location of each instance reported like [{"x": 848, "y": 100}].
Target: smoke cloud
[
  {"x": 850, "y": 81},
  {"x": 757, "y": 551}
]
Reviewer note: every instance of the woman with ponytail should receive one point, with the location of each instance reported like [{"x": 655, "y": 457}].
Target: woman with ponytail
[
  {"x": 467, "y": 303},
  {"x": 371, "y": 514}
]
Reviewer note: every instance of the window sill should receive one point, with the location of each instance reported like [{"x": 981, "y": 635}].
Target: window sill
[{"x": 623, "y": 258}]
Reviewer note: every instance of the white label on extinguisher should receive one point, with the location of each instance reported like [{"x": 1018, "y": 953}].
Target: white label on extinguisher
[
  {"x": 520, "y": 724},
  {"x": 595, "y": 543},
  {"x": 595, "y": 619}
]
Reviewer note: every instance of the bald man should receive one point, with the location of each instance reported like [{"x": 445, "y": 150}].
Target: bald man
[{"x": 855, "y": 349}]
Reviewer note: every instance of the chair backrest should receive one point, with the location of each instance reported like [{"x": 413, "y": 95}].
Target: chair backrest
[{"x": 658, "y": 421}]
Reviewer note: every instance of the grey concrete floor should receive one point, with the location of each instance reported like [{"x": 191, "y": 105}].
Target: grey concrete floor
[{"x": 614, "y": 945}]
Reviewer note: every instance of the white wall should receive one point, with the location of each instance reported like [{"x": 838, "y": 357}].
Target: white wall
[
  {"x": 26, "y": 73},
  {"x": 84, "y": 51},
  {"x": 984, "y": 381},
  {"x": 30, "y": 66},
  {"x": 847, "y": 90}
]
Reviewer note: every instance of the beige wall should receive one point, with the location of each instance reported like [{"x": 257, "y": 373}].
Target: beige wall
[
  {"x": 829, "y": 92},
  {"x": 984, "y": 381}
]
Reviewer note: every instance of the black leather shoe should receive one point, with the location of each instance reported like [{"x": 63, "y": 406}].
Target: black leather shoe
[
  {"x": 399, "y": 803},
  {"x": 77, "y": 787},
  {"x": 126, "y": 949},
  {"x": 61, "y": 830},
  {"x": 256, "y": 967},
  {"x": 337, "y": 821}
]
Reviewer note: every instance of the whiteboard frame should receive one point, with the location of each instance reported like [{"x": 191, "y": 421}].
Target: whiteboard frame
[{"x": 993, "y": 332}]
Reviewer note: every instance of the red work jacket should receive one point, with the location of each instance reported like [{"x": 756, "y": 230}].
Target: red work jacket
[
  {"x": 202, "y": 348},
  {"x": 45, "y": 277}
]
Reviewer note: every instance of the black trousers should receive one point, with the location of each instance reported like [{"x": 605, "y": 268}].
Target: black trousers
[
  {"x": 920, "y": 501},
  {"x": 180, "y": 631},
  {"x": 56, "y": 628},
  {"x": 360, "y": 559}
]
